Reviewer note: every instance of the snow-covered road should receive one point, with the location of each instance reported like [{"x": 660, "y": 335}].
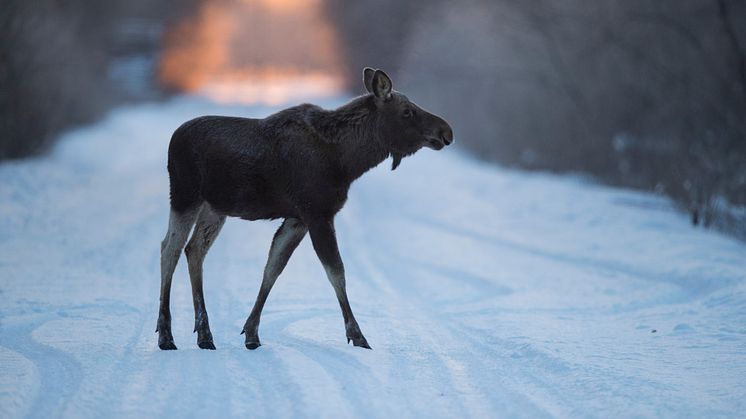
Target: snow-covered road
[{"x": 484, "y": 292}]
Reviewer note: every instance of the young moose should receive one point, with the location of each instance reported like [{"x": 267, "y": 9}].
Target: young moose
[{"x": 297, "y": 164}]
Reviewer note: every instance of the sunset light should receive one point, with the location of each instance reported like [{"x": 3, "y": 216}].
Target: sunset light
[{"x": 253, "y": 51}]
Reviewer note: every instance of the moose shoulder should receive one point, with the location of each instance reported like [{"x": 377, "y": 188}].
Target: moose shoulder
[{"x": 297, "y": 164}]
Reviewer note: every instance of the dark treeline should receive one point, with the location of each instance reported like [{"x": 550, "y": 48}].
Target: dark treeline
[
  {"x": 644, "y": 94},
  {"x": 647, "y": 94},
  {"x": 63, "y": 63}
]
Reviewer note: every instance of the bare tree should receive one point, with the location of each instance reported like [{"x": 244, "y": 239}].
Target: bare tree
[{"x": 644, "y": 94}]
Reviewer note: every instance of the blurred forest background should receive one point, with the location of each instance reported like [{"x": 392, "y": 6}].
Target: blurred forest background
[{"x": 643, "y": 94}]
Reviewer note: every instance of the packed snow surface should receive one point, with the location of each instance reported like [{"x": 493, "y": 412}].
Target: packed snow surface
[{"x": 484, "y": 292}]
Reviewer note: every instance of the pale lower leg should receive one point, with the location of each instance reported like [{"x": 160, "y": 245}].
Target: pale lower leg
[
  {"x": 179, "y": 225},
  {"x": 206, "y": 231},
  {"x": 325, "y": 243},
  {"x": 285, "y": 241}
]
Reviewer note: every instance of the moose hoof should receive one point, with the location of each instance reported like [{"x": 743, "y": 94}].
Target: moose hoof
[
  {"x": 167, "y": 345},
  {"x": 206, "y": 345},
  {"x": 253, "y": 344},
  {"x": 360, "y": 342},
  {"x": 204, "y": 339}
]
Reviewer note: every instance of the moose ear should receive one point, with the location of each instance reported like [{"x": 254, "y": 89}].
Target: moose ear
[
  {"x": 368, "y": 79},
  {"x": 381, "y": 85}
]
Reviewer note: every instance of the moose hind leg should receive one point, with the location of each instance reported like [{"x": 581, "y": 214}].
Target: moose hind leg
[
  {"x": 286, "y": 240},
  {"x": 179, "y": 224},
  {"x": 205, "y": 232}
]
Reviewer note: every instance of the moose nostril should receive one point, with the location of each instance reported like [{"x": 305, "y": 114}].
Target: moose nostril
[{"x": 446, "y": 134}]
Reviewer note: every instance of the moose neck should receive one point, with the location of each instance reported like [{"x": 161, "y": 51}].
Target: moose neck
[{"x": 355, "y": 128}]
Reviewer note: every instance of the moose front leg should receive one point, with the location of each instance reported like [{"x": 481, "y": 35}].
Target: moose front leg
[
  {"x": 325, "y": 243},
  {"x": 287, "y": 238}
]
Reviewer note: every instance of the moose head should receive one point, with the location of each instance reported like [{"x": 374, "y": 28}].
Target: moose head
[{"x": 405, "y": 125}]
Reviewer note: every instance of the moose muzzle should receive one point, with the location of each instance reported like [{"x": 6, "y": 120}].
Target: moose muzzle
[{"x": 443, "y": 137}]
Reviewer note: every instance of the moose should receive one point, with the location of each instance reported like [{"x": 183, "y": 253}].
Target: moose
[{"x": 298, "y": 165}]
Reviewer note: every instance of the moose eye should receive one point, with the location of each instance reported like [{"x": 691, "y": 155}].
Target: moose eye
[{"x": 407, "y": 113}]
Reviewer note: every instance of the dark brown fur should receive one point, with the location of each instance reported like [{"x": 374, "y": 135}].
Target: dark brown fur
[{"x": 297, "y": 164}]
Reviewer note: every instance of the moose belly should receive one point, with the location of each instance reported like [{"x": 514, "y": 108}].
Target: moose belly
[
  {"x": 251, "y": 199},
  {"x": 251, "y": 209}
]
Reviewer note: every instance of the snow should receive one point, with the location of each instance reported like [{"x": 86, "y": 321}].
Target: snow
[{"x": 484, "y": 292}]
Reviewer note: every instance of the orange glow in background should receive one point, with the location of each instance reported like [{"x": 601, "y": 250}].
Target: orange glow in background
[{"x": 253, "y": 51}]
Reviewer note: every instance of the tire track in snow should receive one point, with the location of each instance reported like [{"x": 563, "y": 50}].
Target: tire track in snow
[
  {"x": 266, "y": 390},
  {"x": 19, "y": 383},
  {"x": 460, "y": 359},
  {"x": 485, "y": 363},
  {"x": 291, "y": 368},
  {"x": 346, "y": 377},
  {"x": 472, "y": 367},
  {"x": 59, "y": 373},
  {"x": 69, "y": 363},
  {"x": 354, "y": 375},
  {"x": 121, "y": 367},
  {"x": 534, "y": 379},
  {"x": 690, "y": 285},
  {"x": 410, "y": 349},
  {"x": 468, "y": 360},
  {"x": 471, "y": 398},
  {"x": 324, "y": 396}
]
